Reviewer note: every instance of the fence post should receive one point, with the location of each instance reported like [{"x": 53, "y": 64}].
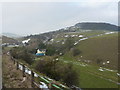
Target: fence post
[
  {"x": 11, "y": 57},
  {"x": 17, "y": 65},
  {"x": 23, "y": 70},
  {"x": 119, "y": 81},
  {"x": 14, "y": 61},
  {"x": 32, "y": 79},
  {"x": 50, "y": 85}
]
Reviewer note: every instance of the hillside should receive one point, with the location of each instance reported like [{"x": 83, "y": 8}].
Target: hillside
[
  {"x": 9, "y": 40},
  {"x": 11, "y": 35},
  {"x": 96, "y": 49},
  {"x": 13, "y": 78},
  {"x": 77, "y": 28},
  {"x": 96, "y": 26},
  {"x": 101, "y": 48},
  {"x": 93, "y": 44}
]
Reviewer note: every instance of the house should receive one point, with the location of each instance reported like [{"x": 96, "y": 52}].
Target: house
[{"x": 41, "y": 52}]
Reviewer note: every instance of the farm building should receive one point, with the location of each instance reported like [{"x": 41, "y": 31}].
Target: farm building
[{"x": 41, "y": 52}]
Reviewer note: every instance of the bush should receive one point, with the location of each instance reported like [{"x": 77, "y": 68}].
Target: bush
[
  {"x": 41, "y": 46},
  {"x": 99, "y": 61},
  {"x": 22, "y": 53},
  {"x": 76, "y": 52},
  {"x": 69, "y": 43},
  {"x": 50, "y": 50},
  {"x": 71, "y": 76}
]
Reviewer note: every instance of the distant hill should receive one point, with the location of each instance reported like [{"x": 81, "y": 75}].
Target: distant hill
[
  {"x": 77, "y": 28},
  {"x": 11, "y": 35},
  {"x": 96, "y": 26},
  {"x": 9, "y": 40}
]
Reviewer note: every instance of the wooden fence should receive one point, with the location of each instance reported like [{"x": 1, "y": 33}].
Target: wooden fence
[{"x": 51, "y": 84}]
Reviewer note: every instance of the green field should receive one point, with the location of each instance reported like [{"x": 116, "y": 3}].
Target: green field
[
  {"x": 90, "y": 76},
  {"x": 104, "y": 48}
]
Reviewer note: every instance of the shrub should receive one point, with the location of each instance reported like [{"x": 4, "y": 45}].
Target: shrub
[
  {"x": 76, "y": 52},
  {"x": 22, "y": 53},
  {"x": 69, "y": 43},
  {"x": 99, "y": 61},
  {"x": 50, "y": 50},
  {"x": 41, "y": 46}
]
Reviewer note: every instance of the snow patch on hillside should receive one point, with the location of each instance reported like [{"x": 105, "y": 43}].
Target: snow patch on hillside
[{"x": 25, "y": 41}]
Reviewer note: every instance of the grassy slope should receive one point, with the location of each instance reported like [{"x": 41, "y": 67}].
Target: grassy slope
[
  {"x": 100, "y": 47},
  {"x": 12, "y": 78},
  {"x": 8, "y": 40},
  {"x": 90, "y": 76},
  {"x": 86, "y": 34},
  {"x": 103, "y": 47}
]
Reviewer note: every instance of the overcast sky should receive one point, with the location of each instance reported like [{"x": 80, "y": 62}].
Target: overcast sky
[{"x": 33, "y": 18}]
